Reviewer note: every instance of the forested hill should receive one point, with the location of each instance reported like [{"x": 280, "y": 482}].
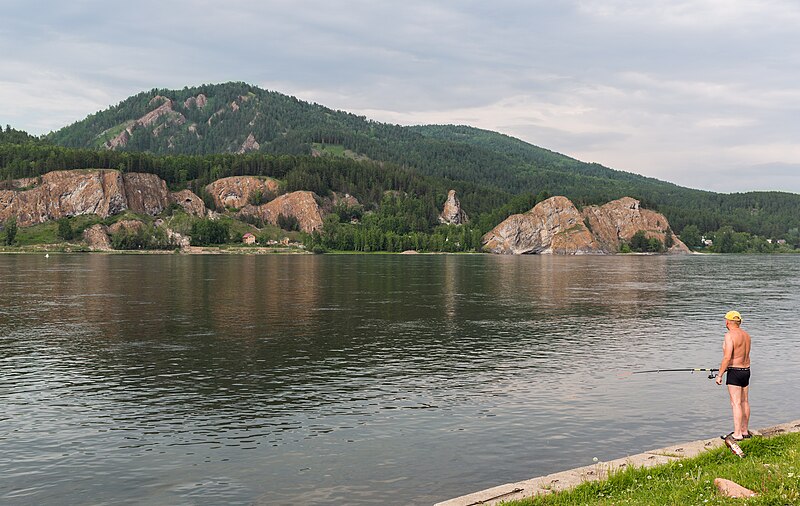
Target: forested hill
[
  {"x": 236, "y": 117},
  {"x": 240, "y": 118}
]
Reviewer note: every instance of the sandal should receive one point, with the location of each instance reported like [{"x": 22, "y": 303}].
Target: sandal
[{"x": 729, "y": 435}]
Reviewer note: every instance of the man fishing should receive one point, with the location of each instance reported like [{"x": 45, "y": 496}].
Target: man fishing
[{"x": 736, "y": 362}]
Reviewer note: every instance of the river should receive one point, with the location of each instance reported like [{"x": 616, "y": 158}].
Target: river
[{"x": 366, "y": 379}]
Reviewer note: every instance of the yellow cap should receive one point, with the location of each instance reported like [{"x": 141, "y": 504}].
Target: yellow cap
[{"x": 733, "y": 316}]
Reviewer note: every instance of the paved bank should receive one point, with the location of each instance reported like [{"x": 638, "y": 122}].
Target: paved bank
[{"x": 568, "y": 479}]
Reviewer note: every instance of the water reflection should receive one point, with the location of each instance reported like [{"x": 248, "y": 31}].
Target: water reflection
[{"x": 324, "y": 379}]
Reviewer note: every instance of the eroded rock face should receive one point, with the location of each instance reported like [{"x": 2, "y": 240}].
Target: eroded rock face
[
  {"x": 249, "y": 144},
  {"x": 620, "y": 219},
  {"x": 552, "y": 226},
  {"x": 452, "y": 213},
  {"x": 151, "y": 118},
  {"x": 78, "y": 192},
  {"x": 199, "y": 101},
  {"x": 300, "y": 204},
  {"x": 190, "y": 202},
  {"x": 96, "y": 238},
  {"x": 235, "y": 191},
  {"x": 146, "y": 193},
  {"x": 556, "y": 226}
]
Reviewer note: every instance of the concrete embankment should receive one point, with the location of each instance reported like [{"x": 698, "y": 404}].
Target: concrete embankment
[{"x": 568, "y": 479}]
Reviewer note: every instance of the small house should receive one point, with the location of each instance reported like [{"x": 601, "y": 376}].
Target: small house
[{"x": 249, "y": 238}]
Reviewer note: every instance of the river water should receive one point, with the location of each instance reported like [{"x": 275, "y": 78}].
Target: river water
[{"x": 366, "y": 379}]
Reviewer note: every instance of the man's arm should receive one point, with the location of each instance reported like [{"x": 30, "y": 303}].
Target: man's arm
[{"x": 727, "y": 355}]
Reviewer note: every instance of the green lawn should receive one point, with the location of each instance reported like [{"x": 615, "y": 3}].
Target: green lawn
[{"x": 771, "y": 468}]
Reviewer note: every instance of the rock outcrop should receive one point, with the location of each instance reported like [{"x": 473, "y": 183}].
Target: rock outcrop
[
  {"x": 452, "y": 213},
  {"x": 190, "y": 202},
  {"x": 552, "y": 226},
  {"x": 199, "y": 101},
  {"x": 96, "y": 238},
  {"x": 235, "y": 191},
  {"x": 151, "y": 118},
  {"x": 556, "y": 226},
  {"x": 146, "y": 193},
  {"x": 249, "y": 144},
  {"x": 620, "y": 219},
  {"x": 78, "y": 192},
  {"x": 300, "y": 204}
]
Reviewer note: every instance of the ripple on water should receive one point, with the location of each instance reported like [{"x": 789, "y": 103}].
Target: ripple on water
[{"x": 218, "y": 380}]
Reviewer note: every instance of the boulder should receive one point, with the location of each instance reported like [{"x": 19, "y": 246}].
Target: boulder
[
  {"x": 732, "y": 489},
  {"x": 452, "y": 213},
  {"x": 96, "y": 238},
  {"x": 553, "y": 226},
  {"x": 300, "y": 204},
  {"x": 235, "y": 191},
  {"x": 190, "y": 202}
]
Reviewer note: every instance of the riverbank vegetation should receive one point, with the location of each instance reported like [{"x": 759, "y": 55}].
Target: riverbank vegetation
[{"x": 771, "y": 469}]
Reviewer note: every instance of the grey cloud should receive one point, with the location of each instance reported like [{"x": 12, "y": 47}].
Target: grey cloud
[{"x": 607, "y": 78}]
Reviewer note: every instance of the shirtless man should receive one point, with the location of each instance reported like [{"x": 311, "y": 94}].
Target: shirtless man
[{"x": 736, "y": 361}]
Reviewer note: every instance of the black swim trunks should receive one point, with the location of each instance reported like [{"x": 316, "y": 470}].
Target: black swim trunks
[{"x": 738, "y": 376}]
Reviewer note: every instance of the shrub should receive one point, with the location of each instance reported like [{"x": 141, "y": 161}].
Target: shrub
[
  {"x": 146, "y": 237},
  {"x": 65, "y": 231},
  {"x": 11, "y": 230},
  {"x": 288, "y": 222},
  {"x": 205, "y": 232}
]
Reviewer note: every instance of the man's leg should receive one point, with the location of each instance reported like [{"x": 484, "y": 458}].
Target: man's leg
[
  {"x": 745, "y": 403},
  {"x": 736, "y": 405}
]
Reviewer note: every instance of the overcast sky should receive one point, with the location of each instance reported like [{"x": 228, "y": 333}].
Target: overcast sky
[{"x": 702, "y": 93}]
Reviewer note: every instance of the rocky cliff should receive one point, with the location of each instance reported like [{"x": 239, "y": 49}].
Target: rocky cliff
[
  {"x": 552, "y": 226},
  {"x": 77, "y": 192},
  {"x": 452, "y": 213},
  {"x": 235, "y": 191},
  {"x": 556, "y": 226},
  {"x": 618, "y": 220},
  {"x": 300, "y": 204}
]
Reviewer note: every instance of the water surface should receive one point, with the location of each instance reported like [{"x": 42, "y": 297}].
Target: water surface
[{"x": 365, "y": 379}]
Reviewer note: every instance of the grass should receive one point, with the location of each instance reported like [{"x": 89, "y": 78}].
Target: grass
[{"x": 771, "y": 469}]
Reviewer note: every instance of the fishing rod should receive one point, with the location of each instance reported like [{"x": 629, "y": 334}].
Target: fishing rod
[{"x": 688, "y": 369}]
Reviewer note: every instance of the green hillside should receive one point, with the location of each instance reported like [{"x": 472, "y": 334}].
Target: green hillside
[{"x": 181, "y": 122}]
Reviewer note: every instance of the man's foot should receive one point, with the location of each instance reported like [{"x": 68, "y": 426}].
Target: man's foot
[{"x": 730, "y": 435}]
